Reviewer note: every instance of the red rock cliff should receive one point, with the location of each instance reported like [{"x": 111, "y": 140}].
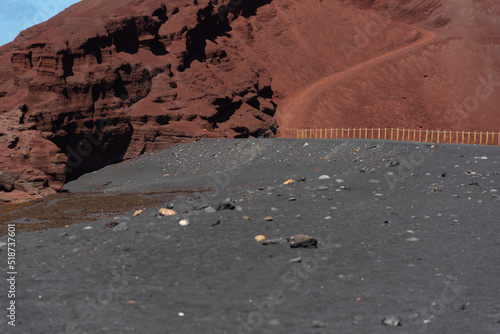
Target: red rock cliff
[{"x": 106, "y": 81}]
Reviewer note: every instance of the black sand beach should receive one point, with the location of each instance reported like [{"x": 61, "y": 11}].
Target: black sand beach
[{"x": 409, "y": 232}]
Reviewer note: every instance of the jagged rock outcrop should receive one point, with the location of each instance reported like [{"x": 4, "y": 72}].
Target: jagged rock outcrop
[{"x": 101, "y": 83}]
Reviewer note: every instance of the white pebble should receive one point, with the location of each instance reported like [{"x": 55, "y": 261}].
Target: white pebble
[
  {"x": 184, "y": 222},
  {"x": 339, "y": 181},
  {"x": 324, "y": 177},
  {"x": 87, "y": 228},
  {"x": 412, "y": 239}
]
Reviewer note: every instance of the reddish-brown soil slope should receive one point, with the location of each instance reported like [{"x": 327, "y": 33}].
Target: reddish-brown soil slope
[
  {"x": 443, "y": 74},
  {"x": 107, "y": 81}
]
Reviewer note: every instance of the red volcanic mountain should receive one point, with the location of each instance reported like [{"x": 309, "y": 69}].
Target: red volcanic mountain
[{"x": 109, "y": 80}]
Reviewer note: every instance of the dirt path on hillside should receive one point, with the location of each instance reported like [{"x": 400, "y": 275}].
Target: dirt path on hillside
[{"x": 290, "y": 114}]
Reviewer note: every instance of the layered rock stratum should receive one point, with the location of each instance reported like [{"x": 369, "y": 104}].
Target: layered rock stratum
[{"x": 106, "y": 81}]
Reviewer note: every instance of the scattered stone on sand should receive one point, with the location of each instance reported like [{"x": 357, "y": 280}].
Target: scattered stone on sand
[
  {"x": 412, "y": 239},
  {"x": 274, "y": 241},
  {"x": 322, "y": 188},
  {"x": 324, "y": 177},
  {"x": 184, "y": 222},
  {"x": 123, "y": 226},
  {"x": 227, "y": 204},
  {"x": 65, "y": 234},
  {"x": 297, "y": 259},
  {"x": 291, "y": 199},
  {"x": 392, "y": 321},
  {"x": 288, "y": 181},
  {"x": 339, "y": 181},
  {"x": 260, "y": 238},
  {"x": 318, "y": 324},
  {"x": 246, "y": 217},
  {"x": 138, "y": 213},
  {"x": 200, "y": 206},
  {"x": 274, "y": 209},
  {"x": 170, "y": 205},
  {"x": 111, "y": 224},
  {"x": 302, "y": 240},
  {"x": 210, "y": 210},
  {"x": 268, "y": 219},
  {"x": 167, "y": 212},
  {"x": 87, "y": 228}
]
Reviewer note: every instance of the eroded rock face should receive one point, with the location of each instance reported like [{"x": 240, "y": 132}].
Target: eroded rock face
[{"x": 101, "y": 83}]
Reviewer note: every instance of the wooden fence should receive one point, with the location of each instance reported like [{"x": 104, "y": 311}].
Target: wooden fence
[{"x": 426, "y": 136}]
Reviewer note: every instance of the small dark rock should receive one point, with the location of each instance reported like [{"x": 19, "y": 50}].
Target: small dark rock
[
  {"x": 200, "y": 206},
  {"x": 302, "y": 240},
  {"x": 392, "y": 162},
  {"x": 322, "y": 188},
  {"x": 111, "y": 224},
  {"x": 227, "y": 204}
]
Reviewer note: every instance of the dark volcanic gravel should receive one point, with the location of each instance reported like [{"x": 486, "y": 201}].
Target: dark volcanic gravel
[{"x": 408, "y": 241}]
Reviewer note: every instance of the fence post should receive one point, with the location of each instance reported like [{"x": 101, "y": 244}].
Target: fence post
[
  {"x": 348, "y": 132},
  {"x": 426, "y": 135},
  {"x": 432, "y": 136},
  {"x": 420, "y": 135},
  {"x": 378, "y": 133},
  {"x": 444, "y": 136},
  {"x": 486, "y": 137}
]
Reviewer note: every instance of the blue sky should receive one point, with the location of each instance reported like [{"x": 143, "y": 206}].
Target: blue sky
[{"x": 17, "y": 15}]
